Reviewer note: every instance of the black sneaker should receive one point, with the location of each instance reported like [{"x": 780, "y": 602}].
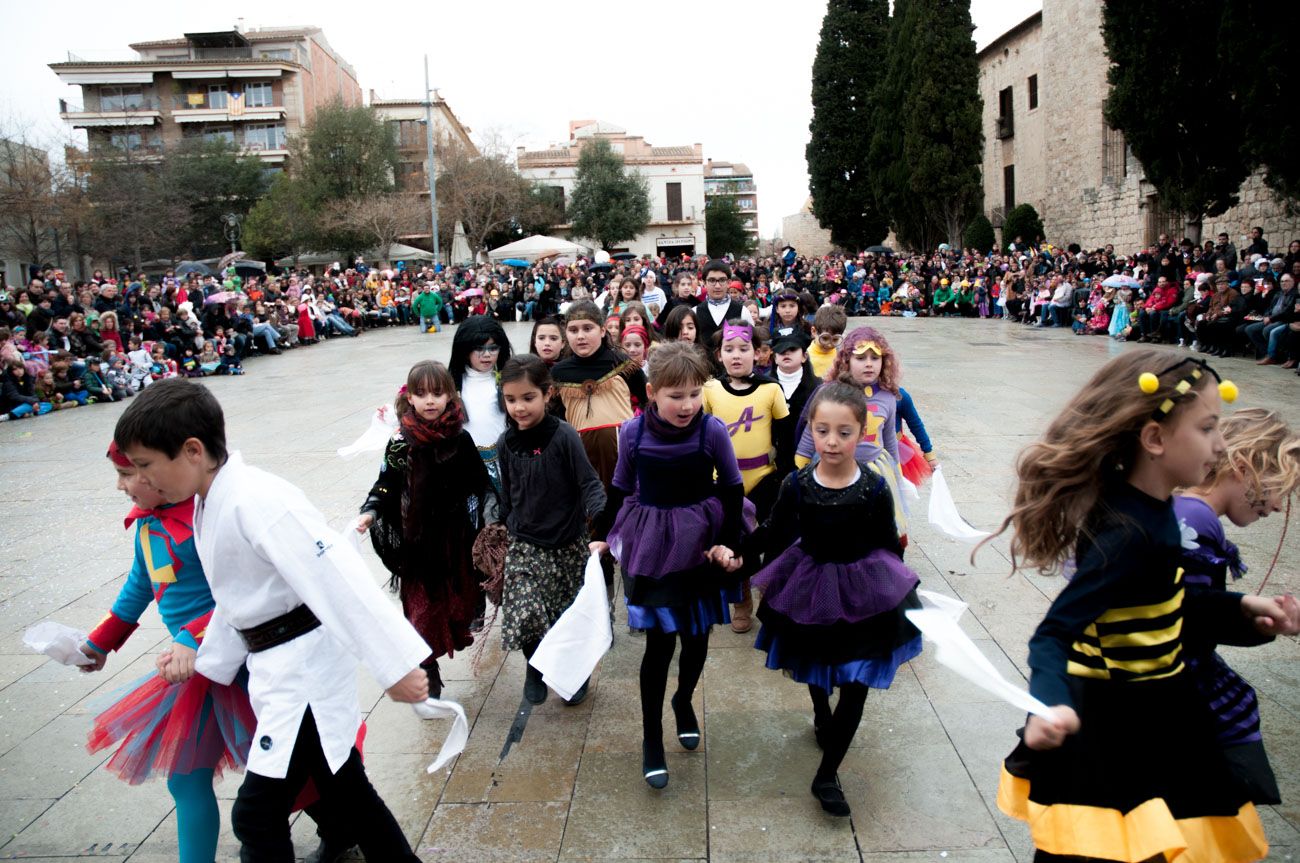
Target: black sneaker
[
  {"x": 579, "y": 696},
  {"x": 688, "y": 727},
  {"x": 653, "y": 766},
  {"x": 534, "y": 687},
  {"x": 831, "y": 797}
]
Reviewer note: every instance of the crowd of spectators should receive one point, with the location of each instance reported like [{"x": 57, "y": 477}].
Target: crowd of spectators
[{"x": 66, "y": 344}]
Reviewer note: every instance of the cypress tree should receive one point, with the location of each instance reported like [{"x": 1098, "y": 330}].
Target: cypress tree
[
  {"x": 845, "y": 76},
  {"x": 889, "y": 172},
  {"x": 1174, "y": 102},
  {"x": 942, "y": 137}
]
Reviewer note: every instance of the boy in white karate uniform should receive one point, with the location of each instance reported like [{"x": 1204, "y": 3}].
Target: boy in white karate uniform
[{"x": 298, "y": 605}]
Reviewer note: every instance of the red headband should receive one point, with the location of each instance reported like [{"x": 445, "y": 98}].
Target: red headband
[
  {"x": 637, "y": 330},
  {"x": 117, "y": 457}
]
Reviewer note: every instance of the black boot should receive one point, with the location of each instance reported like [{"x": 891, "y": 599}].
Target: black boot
[
  {"x": 435, "y": 678},
  {"x": 688, "y": 727},
  {"x": 534, "y": 686},
  {"x": 579, "y": 696}
]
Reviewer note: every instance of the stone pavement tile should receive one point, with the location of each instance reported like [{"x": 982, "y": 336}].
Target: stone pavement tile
[
  {"x": 1012, "y": 632},
  {"x": 540, "y": 767},
  {"x": 1001, "y": 592},
  {"x": 738, "y": 680},
  {"x": 777, "y": 830},
  {"x": 770, "y": 755},
  {"x": 1280, "y": 832},
  {"x": 900, "y": 713},
  {"x": 508, "y": 692},
  {"x": 615, "y": 815},
  {"x": 983, "y": 734},
  {"x": 1283, "y": 747},
  {"x": 615, "y": 724},
  {"x": 17, "y": 813},
  {"x": 909, "y": 797},
  {"x": 50, "y": 762},
  {"x": 394, "y": 728},
  {"x": 495, "y": 832},
  {"x": 942, "y": 685},
  {"x": 957, "y": 855},
  {"x": 102, "y": 815},
  {"x": 410, "y": 792},
  {"x": 25, "y": 708},
  {"x": 1014, "y": 833},
  {"x": 161, "y": 844},
  {"x": 14, "y": 668}
]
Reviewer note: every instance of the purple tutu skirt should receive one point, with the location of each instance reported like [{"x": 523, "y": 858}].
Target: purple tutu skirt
[
  {"x": 876, "y": 672},
  {"x": 651, "y": 542},
  {"x": 693, "y": 618},
  {"x": 809, "y": 593}
]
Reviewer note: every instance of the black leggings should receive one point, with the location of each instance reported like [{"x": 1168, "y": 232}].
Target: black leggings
[
  {"x": 836, "y": 729},
  {"x": 659, "y": 649}
]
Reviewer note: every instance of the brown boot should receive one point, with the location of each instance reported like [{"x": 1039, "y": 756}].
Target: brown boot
[{"x": 742, "y": 613}]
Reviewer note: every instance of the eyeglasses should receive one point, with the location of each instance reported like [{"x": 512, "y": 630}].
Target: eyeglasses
[
  {"x": 488, "y": 349},
  {"x": 830, "y": 341},
  {"x": 721, "y": 281}
]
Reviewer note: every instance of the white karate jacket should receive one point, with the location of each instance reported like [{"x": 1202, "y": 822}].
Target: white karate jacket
[{"x": 266, "y": 550}]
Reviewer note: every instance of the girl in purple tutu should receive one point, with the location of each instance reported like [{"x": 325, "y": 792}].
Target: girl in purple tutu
[
  {"x": 835, "y": 587},
  {"x": 673, "y": 536}
]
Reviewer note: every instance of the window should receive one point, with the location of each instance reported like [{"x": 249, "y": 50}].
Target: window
[
  {"x": 277, "y": 54},
  {"x": 264, "y": 136},
  {"x": 410, "y": 133},
  {"x": 126, "y": 140},
  {"x": 258, "y": 95},
  {"x": 1114, "y": 155},
  {"x": 121, "y": 98},
  {"x": 674, "y": 192},
  {"x": 219, "y": 133},
  {"x": 1006, "y": 128},
  {"x": 1009, "y": 187},
  {"x": 745, "y": 203},
  {"x": 218, "y": 96}
]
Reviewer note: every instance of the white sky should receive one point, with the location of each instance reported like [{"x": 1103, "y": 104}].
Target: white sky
[{"x": 733, "y": 75}]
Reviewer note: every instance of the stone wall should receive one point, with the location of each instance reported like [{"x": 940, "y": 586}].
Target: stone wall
[{"x": 802, "y": 231}]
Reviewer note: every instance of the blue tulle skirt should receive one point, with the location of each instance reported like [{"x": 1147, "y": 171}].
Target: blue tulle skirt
[
  {"x": 876, "y": 672},
  {"x": 693, "y": 618}
]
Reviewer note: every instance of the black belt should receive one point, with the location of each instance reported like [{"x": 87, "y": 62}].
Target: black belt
[{"x": 278, "y": 630}]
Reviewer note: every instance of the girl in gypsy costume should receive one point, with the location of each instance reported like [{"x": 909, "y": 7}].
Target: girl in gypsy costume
[
  {"x": 549, "y": 491},
  {"x": 174, "y": 723},
  {"x": 1260, "y": 470},
  {"x": 432, "y": 497},
  {"x": 866, "y": 360},
  {"x": 835, "y": 588},
  {"x": 479, "y": 352},
  {"x": 597, "y": 388},
  {"x": 675, "y": 537},
  {"x": 1129, "y": 769}
]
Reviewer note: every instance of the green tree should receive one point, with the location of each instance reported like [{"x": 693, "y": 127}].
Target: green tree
[
  {"x": 979, "y": 234},
  {"x": 725, "y": 226},
  {"x": 609, "y": 203},
  {"x": 1023, "y": 222},
  {"x": 889, "y": 172},
  {"x": 941, "y": 116},
  {"x": 213, "y": 178},
  {"x": 135, "y": 215},
  {"x": 845, "y": 79},
  {"x": 1175, "y": 103},
  {"x": 284, "y": 223}
]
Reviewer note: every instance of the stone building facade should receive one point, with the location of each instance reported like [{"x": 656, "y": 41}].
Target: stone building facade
[
  {"x": 733, "y": 180},
  {"x": 805, "y": 233},
  {"x": 674, "y": 175},
  {"x": 1043, "y": 83}
]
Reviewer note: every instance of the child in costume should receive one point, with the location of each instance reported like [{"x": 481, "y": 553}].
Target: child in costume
[
  {"x": 834, "y": 585},
  {"x": 547, "y": 340},
  {"x": 827, "y": 333},
  {"x": 432, "y": 497},
  {"x": 479, "y": 351},
  {"x": 795, "y": 375},
  {"x": 635, "y": 342},
  {"x": 598, "y": 387},
  {"x": 866, "y": 360},
  {"x": 1259, "y": 471},
  {"x": 753, "y": 409},
  {"x": 296, "y": 605},
  {"x": 190, "y": 731},
  {"x": 915, "y": 451},
  {"x": 674, "y": 537},
  {"x": 1129, "y": 768},
  {"x": 549, "y": 491}
]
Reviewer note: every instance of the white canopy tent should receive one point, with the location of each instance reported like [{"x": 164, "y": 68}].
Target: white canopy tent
[{"x": 538, "y": 246}]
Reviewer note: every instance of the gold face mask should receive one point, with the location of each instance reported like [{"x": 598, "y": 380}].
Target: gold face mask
[{"x": 861, "y": 348}]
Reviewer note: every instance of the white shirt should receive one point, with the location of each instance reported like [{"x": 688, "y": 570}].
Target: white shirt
[
  {"x": 484, "y": 419},
  {"x": 789, "y": 382},
  {"x": 654, "y": 301},
  {"x": 266, "y": 550},
  {"x": 717, "y": 311}
]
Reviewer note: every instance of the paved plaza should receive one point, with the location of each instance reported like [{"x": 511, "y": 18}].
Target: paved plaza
[{"x": 922, "y": 775}]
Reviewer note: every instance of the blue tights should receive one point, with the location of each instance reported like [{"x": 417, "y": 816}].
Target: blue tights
[{"x": 198, "y": 821}]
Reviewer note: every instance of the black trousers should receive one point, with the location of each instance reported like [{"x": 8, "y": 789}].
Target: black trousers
[{"x": 260, "y": 817}]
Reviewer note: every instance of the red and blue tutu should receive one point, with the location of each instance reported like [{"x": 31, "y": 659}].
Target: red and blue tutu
[
  {"x": 912, "y": 462},
  {"x": 162, "y": 728}
]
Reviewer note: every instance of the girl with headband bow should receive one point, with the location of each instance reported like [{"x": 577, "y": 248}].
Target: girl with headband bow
[{"x": 753, "y": 408}]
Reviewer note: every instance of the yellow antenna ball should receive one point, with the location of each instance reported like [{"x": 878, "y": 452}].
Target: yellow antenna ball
[
  {"x": 1148, "y": 382},
  {"x": 1228, "y": 391}
]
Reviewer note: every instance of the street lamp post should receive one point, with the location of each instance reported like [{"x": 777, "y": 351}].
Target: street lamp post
[
  {"x": 433, "y": 165},
  {"x": 232, "y": 228}
]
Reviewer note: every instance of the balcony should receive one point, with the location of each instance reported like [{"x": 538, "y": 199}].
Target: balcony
[
  {"x": 205, "y": 109},
  {"x": 714, "y": 187},
  {"x": 111, "y": 112},
  {"x": 135, "y": 152}
]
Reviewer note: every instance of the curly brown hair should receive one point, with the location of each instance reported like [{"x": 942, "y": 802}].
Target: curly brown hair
[
  {"x": 889, "y": 369},
  {"x": 1093, "y": 440}
]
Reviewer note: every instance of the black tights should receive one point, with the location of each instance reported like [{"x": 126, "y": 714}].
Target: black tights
[
  {"x": 659, "y": 648},
  {"x": 836, "y": 729}
]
